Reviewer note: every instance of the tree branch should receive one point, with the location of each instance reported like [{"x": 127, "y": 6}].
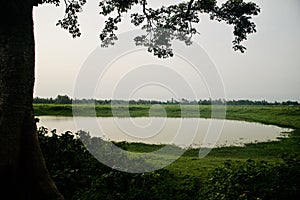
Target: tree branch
[{"x": 189, "y": 7}]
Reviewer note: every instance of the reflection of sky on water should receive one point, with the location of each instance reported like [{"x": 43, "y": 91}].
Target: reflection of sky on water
[{"x": 165, "y": 130}]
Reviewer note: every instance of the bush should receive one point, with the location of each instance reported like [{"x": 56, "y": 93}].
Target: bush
[
  {"x": 254, "y": 180},
  {"x": 78, "y": 175}
]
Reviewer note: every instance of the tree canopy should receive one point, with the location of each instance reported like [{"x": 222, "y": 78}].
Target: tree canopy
[{"x": 164, "y": 24}]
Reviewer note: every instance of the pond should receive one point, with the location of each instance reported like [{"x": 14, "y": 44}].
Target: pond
[{"x": 184, "y": 132}]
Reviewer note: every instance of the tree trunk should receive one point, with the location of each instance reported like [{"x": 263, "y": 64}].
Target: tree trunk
[{"x": 23, "y": 173}]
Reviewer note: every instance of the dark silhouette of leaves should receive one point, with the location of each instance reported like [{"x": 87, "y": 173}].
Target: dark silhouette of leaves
[
  {"x": 176, "y": 22},
  {"x": 165, "y": 24}
]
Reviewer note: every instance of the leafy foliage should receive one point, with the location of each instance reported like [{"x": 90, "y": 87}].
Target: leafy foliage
[
  {"x": 177, "y": 21},
  {"x": 55, "y": 2},
  {"x": 78, "y": 175},
  {"x": 70, "y": 20},
  {"x": 165, "y": 24},
  {"x": 254, "y": 180}
]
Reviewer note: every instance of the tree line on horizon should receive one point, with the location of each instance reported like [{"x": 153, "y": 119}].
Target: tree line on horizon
[{"x": 65, "y": 99}]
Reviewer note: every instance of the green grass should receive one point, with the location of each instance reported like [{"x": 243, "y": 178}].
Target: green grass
[
  {"x": 190, "y": 163},
  {"x": 284, "y": 116},
  {"x": 272, "y": 152}
]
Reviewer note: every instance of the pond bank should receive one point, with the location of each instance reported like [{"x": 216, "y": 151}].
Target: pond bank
[{"x": 189, "y": 163}]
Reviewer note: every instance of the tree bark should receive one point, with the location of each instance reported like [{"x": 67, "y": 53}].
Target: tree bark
[{"x": 23, "y": 173}]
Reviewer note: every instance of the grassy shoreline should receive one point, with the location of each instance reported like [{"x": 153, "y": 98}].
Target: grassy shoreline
[
  {"x": 190, "y": 163},
  {"x": 283, "y": 116},
  {"x": 255, "y": 170}
]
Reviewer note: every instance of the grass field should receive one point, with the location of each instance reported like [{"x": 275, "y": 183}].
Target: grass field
[
  {"x": 284, "y": 116},
  {"x": 190, "y": 163}
]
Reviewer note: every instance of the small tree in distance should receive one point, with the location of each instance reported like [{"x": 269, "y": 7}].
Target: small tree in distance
[
  {"x": 22, "y": 166},
  {"x": 63, "y": 99}
]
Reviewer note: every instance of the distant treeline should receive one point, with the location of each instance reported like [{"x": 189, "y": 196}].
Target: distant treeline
[{"x": 64, "y": 99}]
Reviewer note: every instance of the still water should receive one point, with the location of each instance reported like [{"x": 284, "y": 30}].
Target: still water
[{"x": 184, "y": 132}]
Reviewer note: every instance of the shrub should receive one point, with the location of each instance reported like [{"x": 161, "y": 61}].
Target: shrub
[
  {"x": 254, "y": 180},
  {"x": 78, "y": 175}
]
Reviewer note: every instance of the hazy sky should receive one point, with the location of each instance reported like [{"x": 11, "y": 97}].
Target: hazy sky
[{"x": 268, "y": 70}]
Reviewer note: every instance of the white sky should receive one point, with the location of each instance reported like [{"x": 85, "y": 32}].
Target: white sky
[{"x": 268, "y": 70}]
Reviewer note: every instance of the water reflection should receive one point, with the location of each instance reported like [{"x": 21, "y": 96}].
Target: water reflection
[{"x": 178, "y": 131}]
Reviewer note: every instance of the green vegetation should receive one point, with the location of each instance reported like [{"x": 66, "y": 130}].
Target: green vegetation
[
  {"x": 268, "y": 170},
  {"x": 64, "y": 99},
  {"x": 254, "y": 180},
  {"x": 284, "y": 116},
  {"x": 79, "y": 175}
]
